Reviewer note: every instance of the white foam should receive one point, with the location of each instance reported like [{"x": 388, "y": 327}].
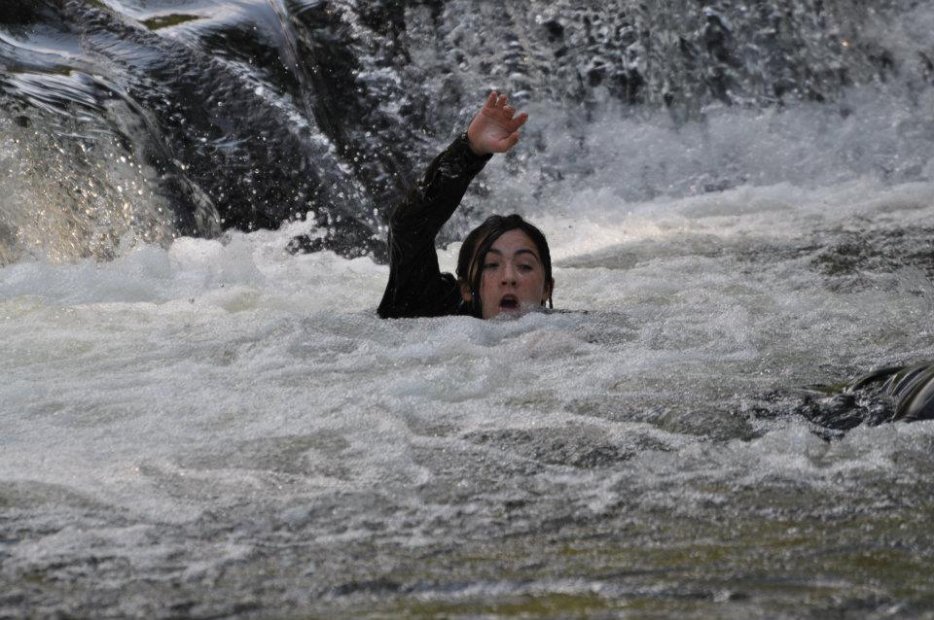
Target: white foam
[{"x": 164, "y": 381}]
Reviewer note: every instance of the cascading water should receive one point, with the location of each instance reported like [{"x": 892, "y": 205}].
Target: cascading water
[{"x": 202, "y": 415}]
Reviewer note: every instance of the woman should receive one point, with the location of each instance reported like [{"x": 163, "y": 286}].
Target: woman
[{"x": 504, "y": 265}]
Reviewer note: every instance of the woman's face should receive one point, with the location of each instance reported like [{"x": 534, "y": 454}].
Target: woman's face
[{"x": 512, "y": 277}]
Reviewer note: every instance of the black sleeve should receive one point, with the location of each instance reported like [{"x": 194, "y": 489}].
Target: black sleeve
[{"x": 416, "y": 285}]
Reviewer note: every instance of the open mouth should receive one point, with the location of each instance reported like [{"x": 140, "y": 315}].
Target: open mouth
[{"x": 509, "y": 303}]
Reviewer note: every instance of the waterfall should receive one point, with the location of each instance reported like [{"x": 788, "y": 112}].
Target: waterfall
[{"x": 128, "y": 124}]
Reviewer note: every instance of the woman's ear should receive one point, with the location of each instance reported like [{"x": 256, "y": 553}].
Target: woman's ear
[{"x": 466, "y": 293}]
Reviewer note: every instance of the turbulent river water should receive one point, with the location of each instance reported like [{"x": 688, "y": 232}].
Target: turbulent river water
[{"x": 198, "y": 418}]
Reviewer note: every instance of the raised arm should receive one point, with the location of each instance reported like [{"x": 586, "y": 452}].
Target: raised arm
[{"x": 416, "y": 285}]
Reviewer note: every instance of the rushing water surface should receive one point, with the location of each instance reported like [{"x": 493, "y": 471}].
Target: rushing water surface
[{"x": 195, "y": 422}]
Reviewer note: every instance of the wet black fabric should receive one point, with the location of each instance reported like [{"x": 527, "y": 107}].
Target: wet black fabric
[
  {"x": 910, "y": 388},
  {"x": 893, "y": 394},
  {"x": 416, "y": 286}
]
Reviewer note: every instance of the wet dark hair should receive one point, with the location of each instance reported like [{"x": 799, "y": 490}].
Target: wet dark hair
[{"x": 479, "y": 242}]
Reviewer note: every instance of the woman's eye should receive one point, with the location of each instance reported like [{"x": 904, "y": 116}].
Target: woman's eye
[
  {"x": 526, "y": 268},
  {"x": 490, "y": 265}
]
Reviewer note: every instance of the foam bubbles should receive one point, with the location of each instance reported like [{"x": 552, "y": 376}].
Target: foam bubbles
[{"x": 223, "y": 397}]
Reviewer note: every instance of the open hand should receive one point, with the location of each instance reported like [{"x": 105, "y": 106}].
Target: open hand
[{"x": 495, "y": 128}]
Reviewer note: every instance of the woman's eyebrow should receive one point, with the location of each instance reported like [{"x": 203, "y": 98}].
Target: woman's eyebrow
[
  {"x": 527, "y": 251},
  {"x": 517, "y": 252}
]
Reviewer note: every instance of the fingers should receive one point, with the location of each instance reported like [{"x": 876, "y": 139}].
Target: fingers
[
  {"x": 499, "y": 102},
  {"x": 497, "y": 105},
  {"x": 518, "y": 121},
  {"x": 495, "y": 102},
  {"x": 496, "y": 128},
  {"x": 512, "y": 140},
  {"x": 506, "y": 143}
]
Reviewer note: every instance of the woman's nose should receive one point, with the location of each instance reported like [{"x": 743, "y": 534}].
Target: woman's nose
[{"x": 509, "y": 274}]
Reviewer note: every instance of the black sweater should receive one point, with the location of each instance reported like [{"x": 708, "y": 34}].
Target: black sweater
[{"x": 416, "y": 286}]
